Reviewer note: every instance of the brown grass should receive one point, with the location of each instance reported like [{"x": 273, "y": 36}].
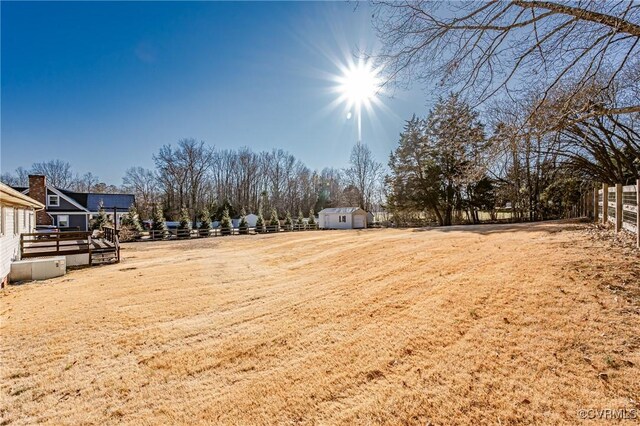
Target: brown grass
[{"x": 474, "y": 325}]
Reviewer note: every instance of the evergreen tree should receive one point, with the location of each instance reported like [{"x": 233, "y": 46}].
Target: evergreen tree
[
  {"x": 312, "y": 218},
  {"x": 205, "y": 223},
  {"x": 225, "y": 223},
  {"x": 274, "y": 219},
  {"x": 260, "y": 221},
  {"x": 184, "y": 225},
  {"x": 158, "y": 225},
  {"x": 300, "y": 221},
  {"x": 101, "y": 220},
  {"x": 243, "y": 225},
  {"x": 132, "y": 220},
  {"x": 288, "y": 221}
]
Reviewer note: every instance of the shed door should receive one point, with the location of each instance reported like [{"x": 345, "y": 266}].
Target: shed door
[{"x": 358, "y": 221}]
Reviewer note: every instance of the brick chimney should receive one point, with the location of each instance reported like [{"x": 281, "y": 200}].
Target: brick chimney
[{"x": 38, "y": 191}]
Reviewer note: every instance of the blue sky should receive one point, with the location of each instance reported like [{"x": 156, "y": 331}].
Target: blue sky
[{"x": 104, "y": 85}]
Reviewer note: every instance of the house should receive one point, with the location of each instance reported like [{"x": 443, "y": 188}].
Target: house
[
  {"x": 17, "y": 216},
  {"x": 73, "y": 210},
  {"x": 342, "y": 218}
]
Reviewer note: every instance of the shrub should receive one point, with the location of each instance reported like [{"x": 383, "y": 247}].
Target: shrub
[
  {"x": 312, "y": 218},
  {"x": 300, "y": 221}
]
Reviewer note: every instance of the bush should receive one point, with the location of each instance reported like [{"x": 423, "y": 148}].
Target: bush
[
  {"x": 312, "y": 218},
  {"x": 225, "y": 223}
]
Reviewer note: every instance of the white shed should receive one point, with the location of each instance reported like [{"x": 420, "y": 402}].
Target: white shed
[
  {"x": 251, "y": 219},
  {"x": 342, "y": 218}
]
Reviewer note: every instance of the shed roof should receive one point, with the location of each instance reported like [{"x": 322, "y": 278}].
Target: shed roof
[{"x": 341, "y": 210}]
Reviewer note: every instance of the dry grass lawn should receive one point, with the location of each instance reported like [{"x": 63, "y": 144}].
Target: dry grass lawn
[{"x": 475, "y": 325}]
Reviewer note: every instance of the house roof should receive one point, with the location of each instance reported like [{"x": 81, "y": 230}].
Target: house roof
[
  {"x": 109, "y": 201},
  {"x": 341, "y": 210},
  {"x": 10, "y": 195},
  {"x": 91, "y": 201}
]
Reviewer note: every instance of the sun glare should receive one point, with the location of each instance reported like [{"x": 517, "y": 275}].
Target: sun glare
[{"x": 358, "y": 87}]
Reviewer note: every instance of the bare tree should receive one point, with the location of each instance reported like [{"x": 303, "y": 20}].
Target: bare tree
[
  {"x": 483, "y": 49},
  {"x": 143, "y": 183},
  {"x": 364, "y": 174},
  {"x": 58, "y": 173}
]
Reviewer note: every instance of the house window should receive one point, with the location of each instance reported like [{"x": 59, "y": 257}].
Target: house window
[
  {"x": 342, "y": 219},
  {"x": 53, "y": 201},
  {"x": 63, "y": 221}
]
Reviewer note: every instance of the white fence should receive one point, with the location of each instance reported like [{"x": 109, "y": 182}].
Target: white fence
[{"x": 620, "y": 205}]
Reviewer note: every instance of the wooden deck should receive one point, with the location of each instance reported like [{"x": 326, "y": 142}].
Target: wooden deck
[{"x": 71, "y": 243}]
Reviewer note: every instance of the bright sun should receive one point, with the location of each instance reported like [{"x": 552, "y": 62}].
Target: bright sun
[{"x": 359, "y": 85}]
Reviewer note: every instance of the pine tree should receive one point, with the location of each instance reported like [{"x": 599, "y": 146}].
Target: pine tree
[
  {"x": 130, "y": 226},
  {"x": 225, "y": 223},
  {"x": 288, "y": 221},
  {"x": 205, "y": 223},
  {"x": 274, "y": 220},
  {"x": 184, "y": 227},
  {"x": 132, "y": 219},
  {"x": 300, "y": 221},
  {"x": 243, "y": 225},
  {"x": 260, "y": 221},
  {"x": 312, "y": 218},
  {"x": 158, "y": 225},
  {"x": 101, "y": 220}
]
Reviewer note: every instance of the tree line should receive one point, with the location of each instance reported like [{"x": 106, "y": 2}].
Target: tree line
[{"x": 192, "y": 176}]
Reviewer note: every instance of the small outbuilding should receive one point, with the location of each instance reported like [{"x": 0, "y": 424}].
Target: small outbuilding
[{"x": 342, "y": 218}]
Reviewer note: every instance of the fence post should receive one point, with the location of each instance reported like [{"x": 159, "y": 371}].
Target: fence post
[
  {"x": 618, "y": 207},
  {"x": 605, "y": 203},
  {"x": 638, "y": 212}
]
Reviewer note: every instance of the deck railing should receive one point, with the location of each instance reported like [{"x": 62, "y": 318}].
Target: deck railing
[{"x": 54, "y": 243}]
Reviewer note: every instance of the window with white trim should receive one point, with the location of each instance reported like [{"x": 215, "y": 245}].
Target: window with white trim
[
  {"x": 53, "y": 201},
  {"x": 63, "y": 221}
]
